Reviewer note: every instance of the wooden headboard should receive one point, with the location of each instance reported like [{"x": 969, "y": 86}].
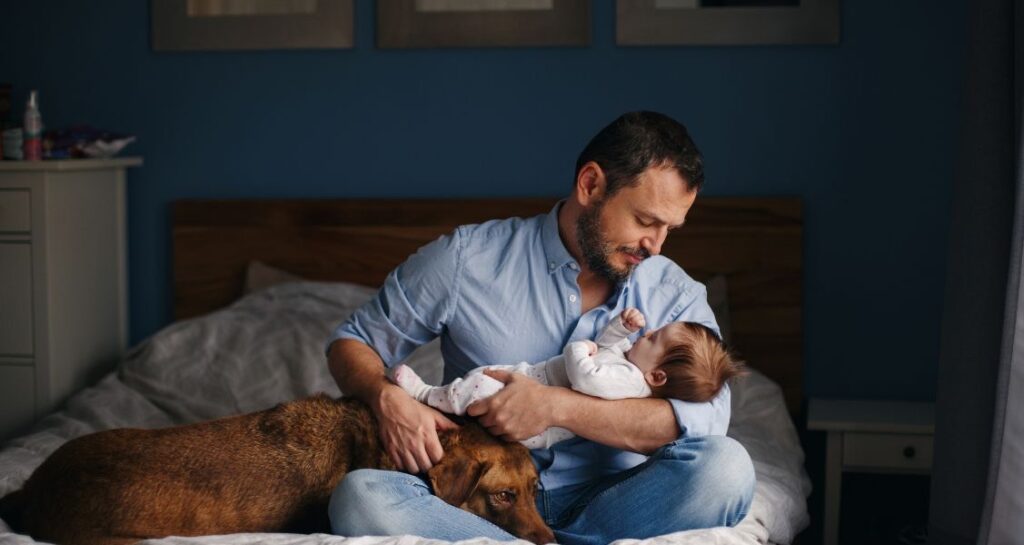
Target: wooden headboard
[{"x": 754, "y": 242}]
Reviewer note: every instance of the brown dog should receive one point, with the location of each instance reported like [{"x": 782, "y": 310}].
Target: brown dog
[{"x": 267, "y": 471}]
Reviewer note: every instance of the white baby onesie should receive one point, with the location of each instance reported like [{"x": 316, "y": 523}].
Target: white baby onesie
[{"x": 607, "y": 374}]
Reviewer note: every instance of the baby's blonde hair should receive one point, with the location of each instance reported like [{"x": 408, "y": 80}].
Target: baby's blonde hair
[{"x": 696, "y": 363}]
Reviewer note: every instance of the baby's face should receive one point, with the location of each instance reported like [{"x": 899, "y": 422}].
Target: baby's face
[{"x": 648, "y": 350}]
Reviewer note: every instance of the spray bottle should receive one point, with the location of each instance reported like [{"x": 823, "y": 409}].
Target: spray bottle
[{"x": 33, "y": 129}]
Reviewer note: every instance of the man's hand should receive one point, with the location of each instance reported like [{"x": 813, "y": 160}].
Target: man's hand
[
  {"x": 408, "y": 429},
  {"x": 633, "y": 319},
  {"x": 522, "y": 409}
]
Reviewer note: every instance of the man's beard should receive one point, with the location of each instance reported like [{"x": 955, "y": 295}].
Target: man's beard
[{"x": 597, "y": 251}]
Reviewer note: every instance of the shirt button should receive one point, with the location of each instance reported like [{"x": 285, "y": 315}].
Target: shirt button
[
  {"x": 573, "y": 266},
  {"x": 572, "y": 297}
]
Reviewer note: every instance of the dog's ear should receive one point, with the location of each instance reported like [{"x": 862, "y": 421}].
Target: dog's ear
[{"x": 456, "y": 477}]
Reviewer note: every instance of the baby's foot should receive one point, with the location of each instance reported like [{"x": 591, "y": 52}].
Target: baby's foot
[{"x": 409, "y": 381}]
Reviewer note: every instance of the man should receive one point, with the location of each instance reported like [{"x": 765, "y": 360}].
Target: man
[{"x": 518, "y": 290}]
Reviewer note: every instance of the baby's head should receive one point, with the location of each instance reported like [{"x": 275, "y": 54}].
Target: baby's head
[{"x": 685, "y": 361}]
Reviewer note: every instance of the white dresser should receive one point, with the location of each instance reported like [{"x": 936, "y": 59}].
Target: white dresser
[{"x": 63, "y": 281}]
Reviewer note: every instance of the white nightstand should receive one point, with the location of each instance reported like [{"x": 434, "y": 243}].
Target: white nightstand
[
  {"x": 63, "y": 281},
  {"x": 870, "y": 437}
]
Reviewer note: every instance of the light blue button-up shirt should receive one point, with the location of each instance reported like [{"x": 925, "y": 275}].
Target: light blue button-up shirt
[{"x": 505, "y": 291}]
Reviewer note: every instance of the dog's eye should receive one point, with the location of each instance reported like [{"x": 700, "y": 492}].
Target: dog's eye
[{"x": 505, "y": 496}]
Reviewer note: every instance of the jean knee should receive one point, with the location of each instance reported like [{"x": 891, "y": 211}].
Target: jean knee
[
  {"x": 722, "y": 470},
  {"x": 359, "y": 504},
  {"x": 736, "y": 469}
]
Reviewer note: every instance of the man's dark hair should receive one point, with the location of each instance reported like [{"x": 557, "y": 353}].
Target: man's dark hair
[{"x": 637, "y": 141}]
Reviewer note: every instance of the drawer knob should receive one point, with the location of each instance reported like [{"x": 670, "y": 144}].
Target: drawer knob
[{"x": 909, "y": 452}]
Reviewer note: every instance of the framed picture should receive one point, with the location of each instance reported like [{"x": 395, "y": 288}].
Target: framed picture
[
  {"x": 180, "y": 25},
  {"x": 726, "y": 22},
  {"x": 482, "y": 23}
]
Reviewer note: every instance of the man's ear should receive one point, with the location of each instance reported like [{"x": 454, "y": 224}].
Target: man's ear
[
  {"x": 456, "y": 477},
  {"x": 657, "y": 377},
  {"x": 590, "y": 183}
]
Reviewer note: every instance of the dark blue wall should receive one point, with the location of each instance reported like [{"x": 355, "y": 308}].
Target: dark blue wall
[{"x": 865, "y": 132}]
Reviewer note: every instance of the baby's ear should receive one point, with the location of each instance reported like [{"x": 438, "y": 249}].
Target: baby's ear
[{"x": 657, "y": 377}]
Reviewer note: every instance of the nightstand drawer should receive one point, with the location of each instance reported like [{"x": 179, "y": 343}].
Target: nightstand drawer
[
  {"x": 15, "y": 211},
  {"x": 893, "y": 451}
]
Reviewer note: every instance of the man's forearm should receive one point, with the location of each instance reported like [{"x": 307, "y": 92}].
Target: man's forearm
[
  {"x": 638, "y": 425},
  {"x": 357, "y": 369}
]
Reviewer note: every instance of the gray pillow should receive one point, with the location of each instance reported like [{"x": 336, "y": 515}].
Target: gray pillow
[{"x": 260, "y": 276}]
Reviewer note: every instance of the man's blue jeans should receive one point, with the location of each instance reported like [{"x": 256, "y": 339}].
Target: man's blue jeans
[{"x": 690, "y": 483}]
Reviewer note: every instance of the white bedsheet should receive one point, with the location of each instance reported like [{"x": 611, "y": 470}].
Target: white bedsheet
[{"x": 268, "y": 347}]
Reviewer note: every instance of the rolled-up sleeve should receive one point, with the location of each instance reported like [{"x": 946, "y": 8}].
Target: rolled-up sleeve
[
  {"x": 708, "y": 418},
  {"x": 412, "y": 306}
]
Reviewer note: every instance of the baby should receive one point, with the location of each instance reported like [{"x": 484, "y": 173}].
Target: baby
[{"x": 681, "y": 360}]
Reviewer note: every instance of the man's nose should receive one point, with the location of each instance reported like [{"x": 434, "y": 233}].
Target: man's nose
[{"x": 654, "y": 242}]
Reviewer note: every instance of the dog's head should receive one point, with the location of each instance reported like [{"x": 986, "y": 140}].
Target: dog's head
[{"x": 492, "y": 479}]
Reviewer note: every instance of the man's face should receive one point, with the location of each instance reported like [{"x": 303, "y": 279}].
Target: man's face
[{"x": 616, "y": 233}]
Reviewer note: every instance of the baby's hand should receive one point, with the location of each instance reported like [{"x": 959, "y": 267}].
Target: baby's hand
[
  {"x": 633, "y": 319},
  {"x": 591, "y": 348}
]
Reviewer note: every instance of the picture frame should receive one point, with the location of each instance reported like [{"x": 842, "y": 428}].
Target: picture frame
[
  {"x": 482, "y": 23},
  {"x": 203, "y": 25},
  {"x": 699, "y": 22}
]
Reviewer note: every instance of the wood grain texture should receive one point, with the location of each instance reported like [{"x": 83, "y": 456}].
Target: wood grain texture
[{"x": 755, "y": 242}]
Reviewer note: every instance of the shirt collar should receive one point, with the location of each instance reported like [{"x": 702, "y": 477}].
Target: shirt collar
[
  {"x": 558, "y": 256},
  {"x": 554, "y": 249}
]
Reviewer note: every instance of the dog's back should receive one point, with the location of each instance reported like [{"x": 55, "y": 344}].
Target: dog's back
[{"x": 264, "y": 471}]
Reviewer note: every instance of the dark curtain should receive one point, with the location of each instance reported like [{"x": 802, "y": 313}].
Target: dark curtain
[{"x": 979, "y": 322}]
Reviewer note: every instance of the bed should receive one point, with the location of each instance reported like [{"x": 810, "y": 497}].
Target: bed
[{"x": 259, "y": 284}]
